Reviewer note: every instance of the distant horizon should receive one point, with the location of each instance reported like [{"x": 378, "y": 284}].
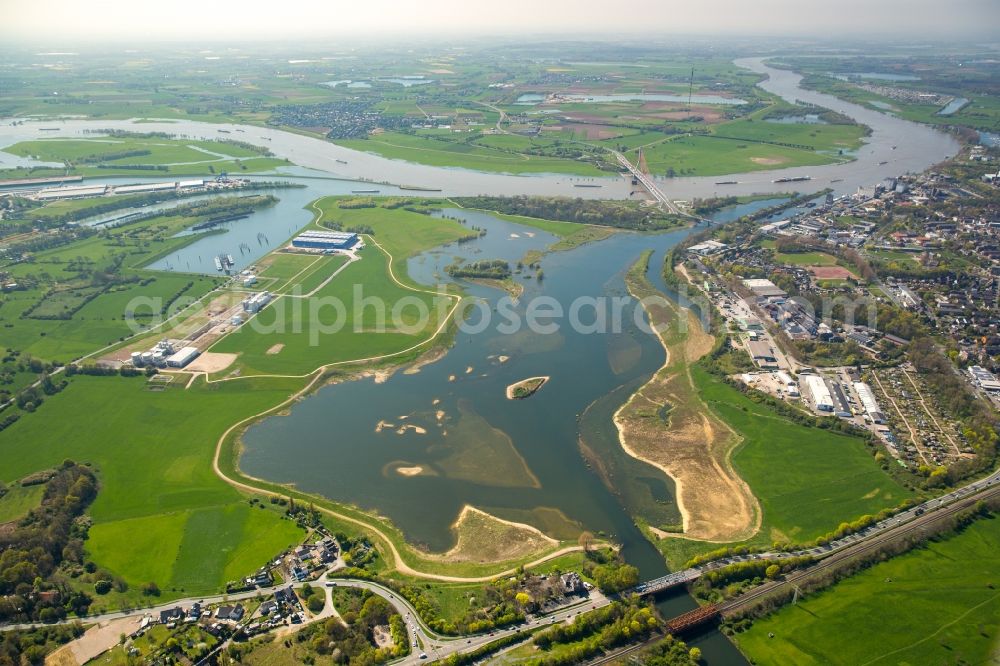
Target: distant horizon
[{"x": 187, "y": 21}]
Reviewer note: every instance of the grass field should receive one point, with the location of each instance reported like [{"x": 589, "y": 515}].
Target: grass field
[
  {"x": 805, "y": 259},
  {"x": 115, "y": 155},
  {"x": 935, "y": 605},
  {"x": 437, "y": 152},
  {"x": 160, "y": 514},
  {"x": 807, "y": 480},
  {"x": 316, "y": 332},
  {"x": 19, "y": 500},
  {"x": 714, "y": 156}
]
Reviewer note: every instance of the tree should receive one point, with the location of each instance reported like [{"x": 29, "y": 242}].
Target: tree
[
  {"x": 523, "y": 599},
  {"x": 586, "y": 541},
  {"x": 102, "y": 586},
  {"x": 315, "y": 603},
  {"x": 772, "y": 571},
  {"x": 695, "y": 654},
  {"x": 151, "y": 589}
]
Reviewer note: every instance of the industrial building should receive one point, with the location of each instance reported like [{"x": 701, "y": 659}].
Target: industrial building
[
  {"x": 868, "y": 401},
  {"x": 707, "y": 248},
  {"x": 984, "y": 379},
  {"x": 791, "y": 388},
  {"x": 817, "y": 391},
  {"x": 145, "y": 187},
  {"x": 254, "y": 304},
  {"x": 763, "y": 288},
  {"x": 182, "y": 357},
  {"x": 75, "y": 192},
  {"x": 325, "y": 240},
  {"x": 760, "y": 352}
]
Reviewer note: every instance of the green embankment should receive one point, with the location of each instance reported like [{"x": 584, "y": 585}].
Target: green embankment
[{"x": 935, "y": 605}]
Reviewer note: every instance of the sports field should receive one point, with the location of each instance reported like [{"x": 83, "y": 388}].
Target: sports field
[{"x": 935, "y": 605}]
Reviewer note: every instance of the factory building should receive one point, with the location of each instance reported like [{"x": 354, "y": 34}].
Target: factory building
[
  {"x": 761, "y": 353},
  {"x": 255, "y": 303},
  {"x": 985, "y": 379},
  {"x": 763, "y": 288},
  {"x": 182, "y": 357},
  {"x": 145, "y": 187},
  {"x": 75, "y": 192},
  {"x": 818, "y": 392},
  {"x": 791, "y": 388},
  {"x": 325, "y": 240},
  {"x": 869, "y": 402}
]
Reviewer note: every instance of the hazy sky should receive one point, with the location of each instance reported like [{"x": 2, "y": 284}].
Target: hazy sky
[{"x": 145, "y": 20}]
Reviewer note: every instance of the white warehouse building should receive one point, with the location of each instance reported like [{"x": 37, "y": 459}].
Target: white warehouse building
[
  {"x": 818, "y": 391},
  {"x": 183, "y": 356},
  {"x": 869, "y": 402}
]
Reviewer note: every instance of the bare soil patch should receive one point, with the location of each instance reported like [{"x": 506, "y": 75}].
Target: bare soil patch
[
  {"x": 482, "y": 537},
  {"x": 830, "y": 272},
  {"x": 666, "y": 424},
  {"x": 211, "y": 362},
  {"x": 768, "y": 161},
  {"x": 95, "y": 641},
  {"x": 274, "y": 349}
]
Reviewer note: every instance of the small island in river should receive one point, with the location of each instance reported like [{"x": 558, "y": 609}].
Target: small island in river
[{"x": 525, "y": 388}]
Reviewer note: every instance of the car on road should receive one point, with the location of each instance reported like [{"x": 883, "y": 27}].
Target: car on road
[{"x": 423, "y": 655}]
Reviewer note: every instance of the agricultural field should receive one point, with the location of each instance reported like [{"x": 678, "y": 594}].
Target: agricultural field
[
  {"x": 807, "y": 480},
  {"x": 468, "y": 155},
  {"x": 161, "y": 513},
  {"x": 714, "y": 156},
  {"x": 146, "y": 156},
  {"x": 934, "y": 605}
]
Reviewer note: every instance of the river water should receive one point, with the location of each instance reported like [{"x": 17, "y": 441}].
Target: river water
[{"x": 533, "y": 460}]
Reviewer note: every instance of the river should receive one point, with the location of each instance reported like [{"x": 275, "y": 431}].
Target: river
[
  {"x": 895, "y": 146},
  {"x": 523, "y": 460}
]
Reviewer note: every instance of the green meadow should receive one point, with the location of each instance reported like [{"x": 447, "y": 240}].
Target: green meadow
[
  {"x": 107, "y": 156},
  {"x": 935, "y": 605},
  {"x": 316, "y": 332},
  {"x": 19, "y": 500},
  {"x": 470, "y": 154},
  {"x": 807, "y": 480},
  {"x": 161, "y": 513},
  {"x": 707, "y": 155}
]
